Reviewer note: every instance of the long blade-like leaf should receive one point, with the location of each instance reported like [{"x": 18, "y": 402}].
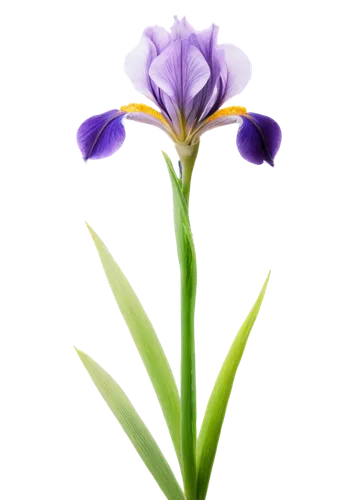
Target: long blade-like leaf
[
  {"x": 215, "y": 411},
  {"x": 145, "y": 340},
  {"x": 134, "y": 427},
  {"x": 187, "y": 261}
]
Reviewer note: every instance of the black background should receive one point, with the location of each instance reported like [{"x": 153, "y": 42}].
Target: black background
[{"x": 244, "y": 220}]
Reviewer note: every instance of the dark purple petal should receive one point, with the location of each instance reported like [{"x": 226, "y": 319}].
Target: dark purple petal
[
  {"x": 181, "y": 30},
  {"x": 101, "y": 135},
  {"x": 258, "y": 139},
  {"x": 180, "y": 71}
]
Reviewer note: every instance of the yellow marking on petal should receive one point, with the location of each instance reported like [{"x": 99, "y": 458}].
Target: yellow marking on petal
[
  {"x": 229, "y": 111},
  {"x": 143, "y": 108}
]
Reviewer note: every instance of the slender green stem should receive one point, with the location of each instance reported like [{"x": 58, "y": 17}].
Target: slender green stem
[
  {"x": 188, "y": 273},
  {"x": 188, "y": 375},
  {"x": 188, "y": 367},
  {"x": 187, "y": 179},
  {"x": 187, "y": 155},
  {"x": 188, "y": 372}
]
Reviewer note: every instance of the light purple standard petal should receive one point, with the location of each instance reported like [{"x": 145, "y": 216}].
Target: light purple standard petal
[
  {"x": 180, "y": 71},
  {"x": 259, "y": 139},
  {"x": 206, "y": 41},
  {"x": 181, "y": 29},
  {"x": 205, "y": 100},
  {"x": 236, "y": 71},
  {"x": 136, "y": 66},
  {"x": 159, "y": 37},
  {"x": 101, "y": 135}
]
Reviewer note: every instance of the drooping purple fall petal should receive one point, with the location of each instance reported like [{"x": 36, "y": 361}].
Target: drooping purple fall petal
[
  {"x": 259, "y": 139},
  {"x": 101, "y": 135},
  {"x": 180, "y": 71}
]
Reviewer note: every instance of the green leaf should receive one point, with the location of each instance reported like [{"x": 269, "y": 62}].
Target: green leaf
[
  {"x": 187, "y": 262},
  {"x": 146, "y": 341},
  {"x": 134, "y": 427},
  {"x": 215, "y": 411}
]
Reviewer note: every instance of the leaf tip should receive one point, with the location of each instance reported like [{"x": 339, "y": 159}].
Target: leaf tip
[
  {"x": 86, "y": 222},
  {"x": 163, "y": 154},
  {"x": 76, "y": 348},
  {"x": 269, "y": 274}
]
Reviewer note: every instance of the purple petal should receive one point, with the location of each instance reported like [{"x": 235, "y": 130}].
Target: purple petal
[
  {"x": 171, "y": 112},
  {"x": 236, "y": 72},
  {"x": 101, "y": 135},
  {"x": 159, "y": 37},
  {"x": 181, "y": 30},
  {"x": 218, "y": 89},
  {"x": 180, "y": 71},
  {"x": 136, "y": 66},
  {"x": 206, "y": 42},
  {"x": 259, "y": 139}
]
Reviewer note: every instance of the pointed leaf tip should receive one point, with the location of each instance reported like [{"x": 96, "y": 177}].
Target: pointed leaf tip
[
  {"x": 269, "y": 273},
  {"x": 215, "y": 412},
  {"x": 134, "y": 427},
  {"x": 145, "y": 339},
  {"x": 164, "y": 152},
  {"x": 78, "y": 351}
]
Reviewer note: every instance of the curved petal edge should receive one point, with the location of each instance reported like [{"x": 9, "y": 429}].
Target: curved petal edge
[
  {"x": 102, "y": 135},
  {"x": 258, "y": 139}
]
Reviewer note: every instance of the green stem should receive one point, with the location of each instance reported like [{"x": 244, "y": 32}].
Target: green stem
[
  {"x": 188, "y": 274},
  {"x": 186, "y": 183},
  {"x": 187, "y": 155},
  {"x": 188, "y": 268},
  {"x": 188, "y": 375}
]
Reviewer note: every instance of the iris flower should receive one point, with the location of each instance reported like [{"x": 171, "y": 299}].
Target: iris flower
[{"x": 188, "y": 76}]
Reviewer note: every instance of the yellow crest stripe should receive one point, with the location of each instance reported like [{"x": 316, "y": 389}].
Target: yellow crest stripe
[
  {"x": 143, "y": 108},
  {"x": 229, "y": 111}
]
